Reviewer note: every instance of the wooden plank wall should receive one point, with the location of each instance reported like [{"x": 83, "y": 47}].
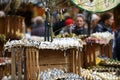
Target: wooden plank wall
[{"x": 68, "y": 61}]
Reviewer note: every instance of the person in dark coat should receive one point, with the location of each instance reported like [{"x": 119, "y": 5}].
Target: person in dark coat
[
  {"x": 94, "y": 21},
  {"x": 38, "y": 27},
  {"x": 105, "y": 23},
  {"x": 80, "y": 25},
  {"x": 117, "y": 44},
  {"x": 60, "y": 24}
]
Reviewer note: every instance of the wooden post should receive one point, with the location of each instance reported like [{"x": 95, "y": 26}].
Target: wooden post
[
  {"x": 27, "y": 61},
  {"x": 73, "y": 62},
  {"x": 37, "y": 62},
  {"x": 30, "y": 62},
  {"x": 20, "y": 51},
  {"x": 110, "y": 50},
  {"x": 13, "y": 68},
  {"x": 79, "y": 62},
  {"x": 76, "y": 61}
]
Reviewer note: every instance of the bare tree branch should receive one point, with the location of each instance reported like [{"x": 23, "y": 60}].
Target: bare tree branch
[{"x": 8, "y": 6}]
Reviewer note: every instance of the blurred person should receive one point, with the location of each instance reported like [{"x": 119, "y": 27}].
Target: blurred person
[
  {"x": 105, "y": 23},
  {"x": 116, "y": 47},
  {"x": 59, "y": 24},
  {"x": 28, "y": 32},
  {"x": 38, "y": 27},
  {"x": 68, "y": 26},
  {"x": 94, "y": 21},
  {"x": 2, "y": 14},
  {"x": 80, "y": 27}
]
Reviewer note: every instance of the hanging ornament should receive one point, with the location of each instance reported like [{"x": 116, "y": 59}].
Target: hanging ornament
[{"x": 96, "y": 5}]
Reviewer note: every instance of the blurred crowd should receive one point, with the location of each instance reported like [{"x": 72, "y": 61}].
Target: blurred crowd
[{"x": 78, "y": 25}]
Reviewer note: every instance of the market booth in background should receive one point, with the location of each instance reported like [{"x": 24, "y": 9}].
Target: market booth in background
[{"x": 12, "y": 27}]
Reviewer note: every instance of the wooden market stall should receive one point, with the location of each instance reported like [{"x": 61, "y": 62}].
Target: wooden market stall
[
  {"x": 93, "y": 50},
  {"x": 37, "y": 60},
  {"x": 11, "y": 27}
]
